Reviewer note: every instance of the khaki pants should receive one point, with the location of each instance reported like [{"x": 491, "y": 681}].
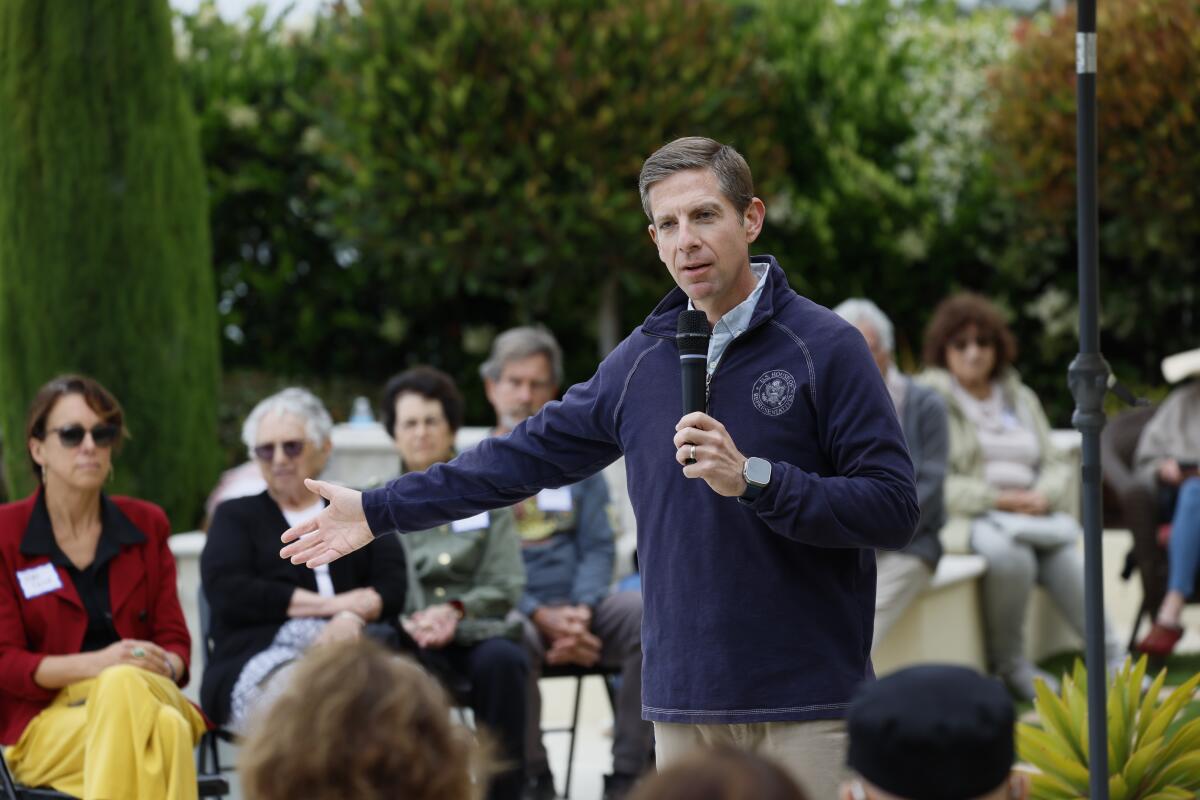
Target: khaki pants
[
  {"x": 901, "y": 578},
  {"x": 813, "y": 752},
  {"x": 126, "y": 733}
]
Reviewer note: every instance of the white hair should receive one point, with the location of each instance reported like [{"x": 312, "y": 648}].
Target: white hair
[
  {"x": 298, "y": 402},
  {"x": 859, "y": 309}
]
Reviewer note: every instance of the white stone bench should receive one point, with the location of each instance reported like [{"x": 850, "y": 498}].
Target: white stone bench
[
  {"x": 186, "y": 548},
  {"x": 943, "y": 623}
]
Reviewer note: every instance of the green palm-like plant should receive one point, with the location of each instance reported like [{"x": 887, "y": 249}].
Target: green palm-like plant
[{"x": 1145, "y": 762}]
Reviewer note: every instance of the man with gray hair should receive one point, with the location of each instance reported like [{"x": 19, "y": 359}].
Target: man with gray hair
[
  {"x": 904, "y": 574},
  {"x": 569, "y": 615},
  {"x": 757, "y": 519}
]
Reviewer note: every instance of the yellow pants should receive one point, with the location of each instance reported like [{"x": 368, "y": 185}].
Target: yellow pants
[{"x": 125, "y": 734}]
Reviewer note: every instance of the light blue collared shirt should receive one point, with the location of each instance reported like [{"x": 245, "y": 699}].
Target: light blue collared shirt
[{"x": 734, "y": 323}]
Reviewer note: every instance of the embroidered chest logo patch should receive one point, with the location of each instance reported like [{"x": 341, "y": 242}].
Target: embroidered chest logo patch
[{"x": 774, "y": 392}]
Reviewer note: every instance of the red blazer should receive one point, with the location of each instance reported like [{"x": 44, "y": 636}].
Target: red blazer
[{"x": 145, "y": 604}]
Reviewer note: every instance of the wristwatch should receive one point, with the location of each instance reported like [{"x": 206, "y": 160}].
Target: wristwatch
[{"x": 757, "y": 474}]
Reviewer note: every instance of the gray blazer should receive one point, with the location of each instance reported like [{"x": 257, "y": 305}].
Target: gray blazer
[{"x": 928, "y": 436}]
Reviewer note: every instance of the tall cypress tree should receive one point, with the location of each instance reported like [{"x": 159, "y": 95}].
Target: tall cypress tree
[{"x": 104, "y": 244}]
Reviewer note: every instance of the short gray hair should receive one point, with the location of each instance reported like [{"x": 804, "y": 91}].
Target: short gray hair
[
  {"x": 860, "y": 309},
  {"x": 518, "y": 343},
  {"x": 699, "y": 152},
  {"x": 318, "y": 425}
]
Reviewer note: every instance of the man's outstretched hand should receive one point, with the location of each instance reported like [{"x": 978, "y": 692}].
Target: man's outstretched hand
[{"x": 337, "y": 531}]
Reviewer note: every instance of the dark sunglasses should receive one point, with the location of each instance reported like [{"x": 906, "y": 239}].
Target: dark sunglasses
[
  {"x": 103, "y": 435},
  {"x": 291, "y": 449},
  {"x": 962, "y": 343}
]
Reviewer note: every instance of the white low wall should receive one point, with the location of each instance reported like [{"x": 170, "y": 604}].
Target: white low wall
[{"x": 187, "y": 547}]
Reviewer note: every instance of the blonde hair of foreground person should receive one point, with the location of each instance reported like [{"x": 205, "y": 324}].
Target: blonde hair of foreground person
[
  {"x": 720, "y": 773},
  {"x": 360, "y": 721}
]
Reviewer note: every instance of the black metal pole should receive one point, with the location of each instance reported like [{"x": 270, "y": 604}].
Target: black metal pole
[{"x": 1088, "y": 379}]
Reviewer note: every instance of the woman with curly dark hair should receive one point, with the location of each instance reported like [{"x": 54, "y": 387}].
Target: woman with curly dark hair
[
  {"x": 1008, "y": 488},
  {"x": 373, "y": 726}
]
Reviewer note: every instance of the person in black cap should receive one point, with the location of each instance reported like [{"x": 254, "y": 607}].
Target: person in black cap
[{"x": 932, "y": 732}]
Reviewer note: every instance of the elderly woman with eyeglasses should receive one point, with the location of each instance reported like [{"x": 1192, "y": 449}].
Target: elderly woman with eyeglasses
[
  {"x": 466, "y": 577},
  {"x": 1007, "y": 488},
  {"x": 93, "y": 643},
  {"x": 265, "y": 611}
]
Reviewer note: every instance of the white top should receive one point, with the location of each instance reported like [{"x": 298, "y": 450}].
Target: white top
[
  {"x": 1011, "y": 453},
  {"x": 294, "y": 518}
]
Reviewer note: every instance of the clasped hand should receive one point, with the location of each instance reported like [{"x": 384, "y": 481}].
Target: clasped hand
[
  {"x": 718, "y": 461},
  {"x": 364, "y": 601},
  {"x": 135, "y": 652},
  {"x": 432, "y": 628},
  {"x": 1172, "y": 473},
  {"x": 566, "y": 630},
  {"x": 1023, "y": 501}
]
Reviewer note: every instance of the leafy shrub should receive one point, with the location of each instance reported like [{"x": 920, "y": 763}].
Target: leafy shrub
[
  {"x": 398, "y": 184},
  {"x": 483, "y": 160},
  {"x": 1146, "y": 758},
  {"x": 1148, "y": 90},
  {"x": 285, "y": 304}
]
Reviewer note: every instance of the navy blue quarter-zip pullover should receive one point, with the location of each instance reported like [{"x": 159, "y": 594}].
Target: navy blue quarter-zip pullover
[{"x": 759, "y": 613}]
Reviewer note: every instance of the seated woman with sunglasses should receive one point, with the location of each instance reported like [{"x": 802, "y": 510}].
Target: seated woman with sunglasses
[
  {"x": 266, "y": 611},
  {"x": 93, "y": 643},
  {"x": 1007, "y": 487}
]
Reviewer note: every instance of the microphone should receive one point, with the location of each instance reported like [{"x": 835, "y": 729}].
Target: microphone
[{"x": 691, "y": 336}]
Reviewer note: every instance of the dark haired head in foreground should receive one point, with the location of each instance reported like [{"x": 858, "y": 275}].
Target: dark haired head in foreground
[
  {"x": 933, "y": 732},
  {"x": 360, "y": 721},
  {"x": 720, "y": 773}
]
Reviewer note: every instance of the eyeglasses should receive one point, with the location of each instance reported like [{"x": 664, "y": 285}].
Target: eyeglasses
[
  {"x": 103, "y": 435},
  {"x": 291, "y": 449},
  {"x": 963, "y": 342}
]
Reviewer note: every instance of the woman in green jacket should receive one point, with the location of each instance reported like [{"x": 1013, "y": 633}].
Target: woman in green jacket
[
  {"x": 1008, "y": 489},
  {"x": 464, "y": 578}
]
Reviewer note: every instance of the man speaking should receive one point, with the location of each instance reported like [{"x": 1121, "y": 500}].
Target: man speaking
[{"x": 757, "y": 520}]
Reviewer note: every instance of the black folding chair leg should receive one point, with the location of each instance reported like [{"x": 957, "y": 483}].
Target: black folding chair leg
[
  {"x": 1137, "y": 623},
  {"x": 571, "y": 741},
  {"x": 10, "y": 788}
]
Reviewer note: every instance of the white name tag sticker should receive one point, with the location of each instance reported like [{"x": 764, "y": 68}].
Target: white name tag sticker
[
  {"x": 475, "y": 523},
  {"x": 39, "y": 580},
  {"x": 554, "y": 499}
]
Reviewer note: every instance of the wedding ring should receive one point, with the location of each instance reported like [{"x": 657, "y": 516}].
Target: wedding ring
[
  {"x": 693, "y": 455},
  {"x": 138, "y": 652}
]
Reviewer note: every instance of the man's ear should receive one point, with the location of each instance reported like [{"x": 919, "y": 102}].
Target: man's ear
[
  {"x": 753, "y": 219},
  {"x": 653, "y": 233}
]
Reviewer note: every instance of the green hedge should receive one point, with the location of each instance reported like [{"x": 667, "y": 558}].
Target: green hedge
[
  {"x": 104, "y": 248},
  {"x": 482, "y": 161},
  {"x": 1148, "y": 94},
  {"x": 397, "y": 185}
]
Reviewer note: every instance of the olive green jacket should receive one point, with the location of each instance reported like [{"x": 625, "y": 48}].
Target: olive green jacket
[
  {"x": 476, "y": 562},
  {"x": 967, "y": 493}
]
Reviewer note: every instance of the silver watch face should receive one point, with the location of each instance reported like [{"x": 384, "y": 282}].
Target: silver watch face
[{"x": 757, "y": 471}]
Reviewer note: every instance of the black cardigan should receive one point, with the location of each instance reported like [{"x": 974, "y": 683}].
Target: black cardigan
[{"x": 249, "y": 587}]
